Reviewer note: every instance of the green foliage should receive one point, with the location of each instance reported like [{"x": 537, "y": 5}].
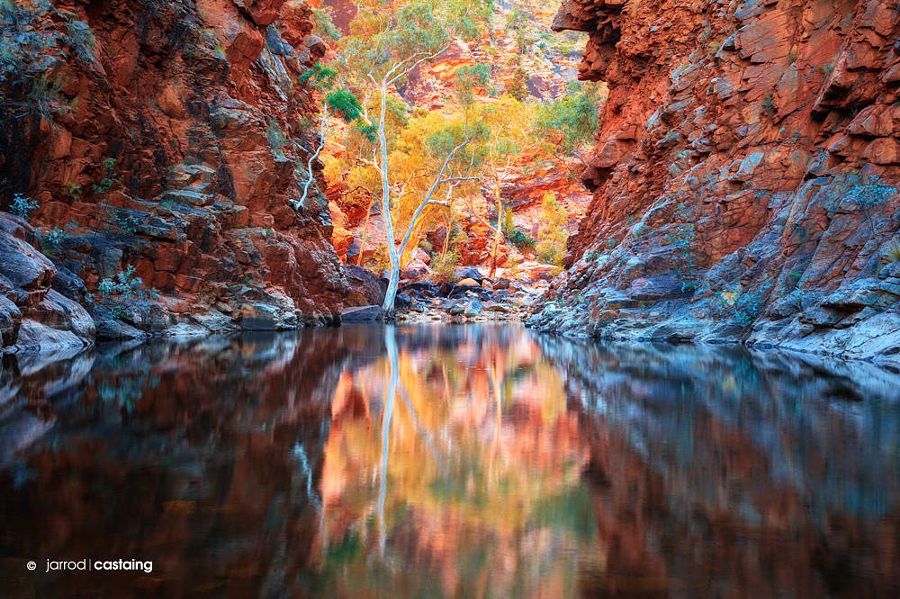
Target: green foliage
[
  {"x": 368, "y": 131},
  {"x": 52, "y": 241},
  {"x": 125, "y": 286},
  {"x": 514, "y": 234},
  {"x": 866, "y": 193},
  {"x": 383, "y": 35},
  {"x": 552, "y": 236},
  {"x": 442, "y": 142},
  {"x": 22, "y": 206},
  {"x": 768, "y": 104},
  {"x": 470, "y": 77},
  {"x": 345, "y": 103},
  {"x": 518, "y": 86},
  {"x": 747, "y": 307},
  {"x": 109, "y": 179},
  {"x": 324, "y": 24},
  {"x": 468, "y": 16},
  {"x": 319, "y": 76},
  {"x": 73, "y": 190},
  {"x": 869, "y": 192},
  {"x": 124, "y": 221},
  {"x": 521, "y": 239},
  {"x": 576, "y": 117}
]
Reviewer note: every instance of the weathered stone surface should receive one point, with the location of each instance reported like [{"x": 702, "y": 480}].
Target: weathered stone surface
[
  {"x": 362, "y": 314},
  {"x": 366, "y": 288},
  {"x": 169, "y": 147},
  {"x": 33, "y": 316},
  {"x": 756, "y": 198}
]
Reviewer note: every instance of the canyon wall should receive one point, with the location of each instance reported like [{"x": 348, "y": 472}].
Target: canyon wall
[
  {"x": 745, "y": 177},
  {"x": 164, "y": 146}
]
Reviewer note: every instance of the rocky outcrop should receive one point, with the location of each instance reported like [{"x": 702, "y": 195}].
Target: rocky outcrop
[
  {"x": 34, "y": 316},
  {"x": 167, "y": 142},
  {"x": 745, "y": 177}
]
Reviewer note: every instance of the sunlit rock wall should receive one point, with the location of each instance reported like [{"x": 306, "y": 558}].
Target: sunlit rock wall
[
  {"x": 170, "y": 136},
  {"x": 745, "y": 175}
]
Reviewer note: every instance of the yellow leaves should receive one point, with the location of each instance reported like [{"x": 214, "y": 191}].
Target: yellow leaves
[
  {"x": 729, "y": 297},
  {"x": 334, "y": 168},
  {"x": 552, "y": 235}
]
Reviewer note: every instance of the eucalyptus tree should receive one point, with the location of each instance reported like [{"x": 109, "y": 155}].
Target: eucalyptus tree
[{"x": 387, "y": 43}]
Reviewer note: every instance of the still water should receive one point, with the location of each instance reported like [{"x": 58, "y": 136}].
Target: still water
[{"x": 472, "y": 461}]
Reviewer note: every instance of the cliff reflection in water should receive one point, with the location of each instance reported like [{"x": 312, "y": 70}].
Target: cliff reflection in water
[{"x": 450, "y": 461}]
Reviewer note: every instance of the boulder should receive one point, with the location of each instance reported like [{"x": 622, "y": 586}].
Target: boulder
[
  {"x": 23, "y": 266},
  {"x": 468, "y": 283},
  {"x": 468, "y": 273},
  {"x": 474, "y": 309},
  {"x": 365, "y": 287},
  {"x": 362, "y": 314}
]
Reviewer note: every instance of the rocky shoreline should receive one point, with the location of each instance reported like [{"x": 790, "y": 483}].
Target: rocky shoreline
[{"x": 45, "y": 310}]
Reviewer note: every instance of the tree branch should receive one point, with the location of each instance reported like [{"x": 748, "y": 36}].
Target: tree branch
[
  {"x": 390, "y": 80},
  {"x": 300, "y": 204},
  {"x": 458, "y": 179},
  {"x": 427, "y": 200}
]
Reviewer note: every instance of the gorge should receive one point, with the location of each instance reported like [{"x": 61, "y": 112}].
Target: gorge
[{"x": 646, "y": 332}]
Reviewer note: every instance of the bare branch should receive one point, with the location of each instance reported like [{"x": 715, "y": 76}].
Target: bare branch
[
  {"x": 400, "y": 74},
  {"x": 300, "y": 204}
]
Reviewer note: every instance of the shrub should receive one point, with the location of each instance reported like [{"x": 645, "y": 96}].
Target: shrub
[
  {"x": 22, "y": 206},
  {"x": 575, "y": 117},
  {"x": 109, "y": 179},
  {"x": 52, "y": 241},
  {"x": 73, "y": 190},
  {"x": 125, "y": 286},
  {"x": 319, "y": 76},
  {"x": 126, "y": 222},
  {"x": 444, "y": 266},
  {"x": 324, "y": 24},
  {"x": 345, "y": 103},
  {"x": 893, "y": 252},
  {"x": 550, "y": 252},
  {"x": 521, "y": 239},
  {"x": 552, "y": 236}
]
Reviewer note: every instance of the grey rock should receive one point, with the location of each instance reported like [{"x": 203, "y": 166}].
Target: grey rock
[{"x": 362, "y": 314}]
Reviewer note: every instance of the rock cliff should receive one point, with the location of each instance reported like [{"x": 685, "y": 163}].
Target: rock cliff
[
  {"x": 745, "y": 177},
  {"x": 160, "y": 149}
]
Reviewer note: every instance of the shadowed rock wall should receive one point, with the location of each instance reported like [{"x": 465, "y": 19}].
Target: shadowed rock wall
[{"x": 171, "y": 137}]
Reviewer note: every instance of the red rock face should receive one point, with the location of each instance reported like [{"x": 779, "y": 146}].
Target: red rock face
[
  {"x": 746, "y": 174},
  {"x": 167, "y": 136}
]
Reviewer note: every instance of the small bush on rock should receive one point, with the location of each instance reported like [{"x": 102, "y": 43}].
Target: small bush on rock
[{"x": 22, "y": 206}]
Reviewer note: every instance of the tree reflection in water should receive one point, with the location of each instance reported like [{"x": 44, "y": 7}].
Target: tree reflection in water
[{"x": 450, "y": 461}]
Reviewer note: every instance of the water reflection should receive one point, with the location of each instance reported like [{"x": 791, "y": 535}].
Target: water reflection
[{"x": 450, "y": 461}]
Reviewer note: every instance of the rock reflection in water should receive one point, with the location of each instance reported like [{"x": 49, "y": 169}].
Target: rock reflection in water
[{"x": 450, "y": 461}]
